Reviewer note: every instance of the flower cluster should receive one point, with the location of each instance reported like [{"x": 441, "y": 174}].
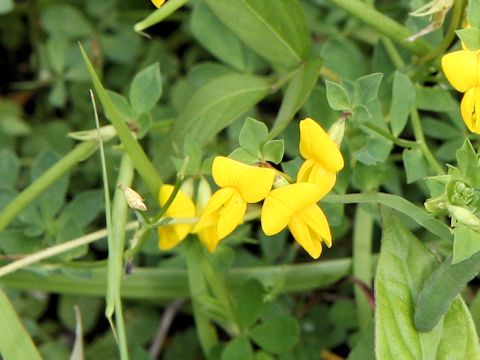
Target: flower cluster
[
  {"x": 462, "y": 69},
  {"x": 286, "y": 205}
]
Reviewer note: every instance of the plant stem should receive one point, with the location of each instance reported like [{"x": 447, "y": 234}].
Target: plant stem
[
  {"x": 400, "y": 142},
  {"x": 362, "y": 248},
  {"x": 418, "y": 133},
  {"x": 198, "y": 287},
  {"x": 79, "y": 153},
  {"x": 383, "y": 24},
  {"x": 158, "y": 15}
]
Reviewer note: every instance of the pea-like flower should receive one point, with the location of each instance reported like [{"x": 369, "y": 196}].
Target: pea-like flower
[
  {"x": 462, "y": 69},
  {"x": 240, "y": 184},
  {"x": 181, "y": 207},
  {"x": 295, "y": 206},
  {"x": 322, "y": 157}
]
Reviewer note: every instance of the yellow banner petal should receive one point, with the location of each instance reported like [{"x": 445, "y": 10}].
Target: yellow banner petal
[{"x": 462, "y": 69}]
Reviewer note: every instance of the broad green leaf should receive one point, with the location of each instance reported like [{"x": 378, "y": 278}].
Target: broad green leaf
[
  {"x": 296, "y": 93},
  {"x": 15, "y": 342},
  {"x": 470, "y": 37},
  {"x": 6, "y": 6},
  {"x": 84, "y": 208},
  {"x": 273, "y": 151},
  {"x": 213, "y": 107},
  {"x": 228, "y": 48},
  {"x": 122, "y": 105},
  {"x": 466, "y": 243},
  {"x": 442, "y": 288},
  {"x": 468, "y": 164},
  {"x": 253, "y": 136},
  {"x": 376, "y": 150},
  {"x": 275, "y": 29},
  {"x": 439, "y": 129},
  {"x": 56, "y": 48},
  {"x": 9, "y": 168},
  {"x": 238, "y": 349},
  {"x": 415, "y": 164},
  {"x": 250, "y": 304},
  {"x": 366, "y": 88},
  {"x": 403, "y": 97},
  {"x": 435, "y": 99},
  {"x": 241, "y": 155},
  {"x": 277, "y": 334},
  {"x": 90, "y": 307},
  {"x": 146, "y": 89},
  {"x": 337, "y": 96},
  {"x": 65, "y": 20},
  {"x": 140, "y": 160},
  {"x": 403, "y": 267}
]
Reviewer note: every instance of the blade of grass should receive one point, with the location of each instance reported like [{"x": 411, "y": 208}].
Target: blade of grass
[
  {"x": 15, "y": 342},
  {"x": 140, "y": 161},
  {"x": 116, "y": 238}
]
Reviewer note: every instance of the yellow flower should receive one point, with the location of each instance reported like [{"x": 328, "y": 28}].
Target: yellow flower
[
  {"x": 322, "y": 156},
  {"x": 240, "y": 184},
  {"x": 181, "y": 207},
  {"x": 462, "y": 69},
  {"x": 295, "y": 206},
  {"x": 158, "y": 3}
]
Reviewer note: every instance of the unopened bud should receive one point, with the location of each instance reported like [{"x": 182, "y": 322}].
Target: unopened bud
[
  {"x": 106, "y": 133},
  {"x": 336, "y": 131},
  {"x": 279, "y": 181},
  {"x": 134, "y": 200},
  {"x": 204, "y": 193},
  {"x": 464, "y": 216},
  {"x": 435, "y": 204}
]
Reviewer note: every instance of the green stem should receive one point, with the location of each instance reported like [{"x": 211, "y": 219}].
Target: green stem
[
  {"x": 418, "y": 133},
  {"x": 383, "y": 24},
  {"x": 79, "y": 153},
  {"x": 198, "y": 287},
  {"x": 116, "y": 244},
  {"x": 457, "y": 14},
  {"x": 400, "y": 142},
  {"x": 172, "y": 283},
  {"x": 158, "y": 15},
  {"x": 362, "y": 257},
  {"x": 398, "y": 203},
  {"x": 393, "y": 53}
]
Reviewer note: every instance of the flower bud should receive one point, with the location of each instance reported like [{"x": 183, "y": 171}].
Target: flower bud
[
  {"x": 134, "y": 200},
  {"x": 336, "y": 131},
  {"x": 464, "y": 216}
]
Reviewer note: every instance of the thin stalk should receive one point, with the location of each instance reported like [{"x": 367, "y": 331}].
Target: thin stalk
[
  {"x": 400, "y": 142},
  {"x": 198, "y": 287},
  {"x": 362, "y": 257},
  {"x": 418, "y": 133},
  {"x": 160, "y": 14},
  {"x": 79, "y": 153},
  {"x": 393, "y": 53},
  {"x": 383, "y": 24}
]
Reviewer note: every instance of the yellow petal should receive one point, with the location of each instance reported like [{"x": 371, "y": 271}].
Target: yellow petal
[
  {"x": 182, "y": 205},
  {"x": 158, "y": 3},
  {"x": 209, "y": 237},
  {"x": 302, "y": 234},
  {"x": 282, "y": 203},
  {"x": 211, "y": 212},
  {"x": 470, "y": 106},
  {"x": 462, "y": 69},
  {"x": 252, "y": 182},
  {"x": 231, "y": 216},
  {"x": 314, "y": 217},
  {"x": 171, "y": 235},
  {"x": 316, "y": 144},
  {"x": 313, "y": 172}
]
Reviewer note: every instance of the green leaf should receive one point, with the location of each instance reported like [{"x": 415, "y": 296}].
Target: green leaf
[
  {"x": 415, "y": 164},
  {"x": 403, "y": 97},
  {"x": 365, "y": 348},
  {"x": 366, "y": 88},
  {"x": 90, "y": 308},
  {"x": 403, "y": 267},
  {"x": 273, "y": 151},
  {"x": 470, "y": 37},
  {"x": 278, "y": 33},
  {"x": 241, "y": 155},
  {"x": 227, "y": 47},
  {"x": 140, "y": 160},
  {"x": 238, "y": 349},
  {"x": 473, "y": 13},
  {"x": 375, "y": 151},
  {"x": 297, "y": 93},
  {"x": 466, "y": 243},
  {"x": 249, "y": 298},
  {"x": 213, "y": 107},
  {"x": 6, "y": 6},
  {"x": 84, "y": 208},
  {"x": 65, "y": 20},
  {"x": 277, "y": 334},
  {"x": 467, "y": 163},
  {"x": 435, "y": 99},
  {"x": 122, "y": 105},
  {"x": 56, "y": 49},
  {"x": 9, "y": 167},
  {"x": 146, "y": 89},
  {"x": 15, "y": 342},
  {"x": 253, "y": 136},
  {"x": 442, "y": 288},
  {"x": 337, "y": 96}
]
